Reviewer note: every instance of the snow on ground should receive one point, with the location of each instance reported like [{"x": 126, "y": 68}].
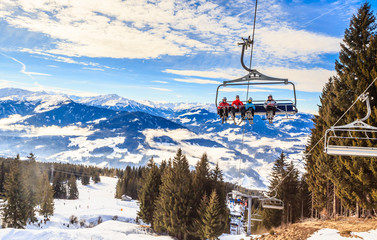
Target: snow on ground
[
  {"x": 94, "y": 200},
  {"x": 325, "y": 234}
]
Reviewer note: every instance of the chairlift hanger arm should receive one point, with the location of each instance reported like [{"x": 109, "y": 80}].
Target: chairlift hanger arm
[
  {"x": 254, "y": 75},
  {"x": 245, "y": 44}
]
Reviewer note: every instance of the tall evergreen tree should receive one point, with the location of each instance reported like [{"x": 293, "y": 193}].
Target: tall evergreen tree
[
  {"x": 201, "y": 181},
  {"x": 59, "y": 186},
  {"x": 85, "y": 177},
  {"x": 174, "y": 204},
  {"x": 271, "y": 217},
  {"x": 210, "y": 223},
  {"x": 95, "y": 177},
  {"x": 73, "y": 192},
  {"x": 16, "y": 211},
  {"x": 149, "y": 192},
  {"x": 2, "y": 178},
  {"x": 47, "y": 198}
]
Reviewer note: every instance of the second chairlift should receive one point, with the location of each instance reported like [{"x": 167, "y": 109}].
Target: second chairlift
[{"x": 349, "y": 134}]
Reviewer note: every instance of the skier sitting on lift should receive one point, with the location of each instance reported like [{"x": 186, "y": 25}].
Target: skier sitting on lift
[
  {"x": 223, "y": 110},
  {"x": 237, "y": 106},
  {"x": 270, "y": 105},
  {"x": 250, "y": 108}
]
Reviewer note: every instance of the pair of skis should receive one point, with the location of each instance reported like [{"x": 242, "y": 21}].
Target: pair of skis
[{"x": 248, "y": 117}]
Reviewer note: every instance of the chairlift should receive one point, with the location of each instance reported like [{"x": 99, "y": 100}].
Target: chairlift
[
  {"x": 357, "y": 130},
  {"x": 256, "y": 217},
  {"x": 255, "y": 78},
  {"x": 272, "y": 203}
]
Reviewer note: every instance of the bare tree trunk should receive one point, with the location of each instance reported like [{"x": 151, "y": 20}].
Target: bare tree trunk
[
  {"x": 357, "y": 210},
  {"x": 334, "y": 203},
  {"x": 312, "y": 212}
]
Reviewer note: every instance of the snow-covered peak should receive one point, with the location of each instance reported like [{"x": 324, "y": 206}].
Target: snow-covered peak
[
  {"x": 17, "y": 94},
  {"x": 49, "y": 102},
  {"x": 180, "y": 106},
  {"x": 109, "y": 100},
  {"x": 43, "y": 100}
]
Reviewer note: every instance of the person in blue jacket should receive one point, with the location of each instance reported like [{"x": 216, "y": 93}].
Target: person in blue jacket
[{"x": 250, "y": 107}]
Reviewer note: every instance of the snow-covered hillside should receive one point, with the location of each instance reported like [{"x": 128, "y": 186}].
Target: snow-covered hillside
[
  {"x": 113, "y": 131},
  {"x": 95, "y": 200}
]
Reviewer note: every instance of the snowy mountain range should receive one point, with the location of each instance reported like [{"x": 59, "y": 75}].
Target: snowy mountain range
[{"x": 109, "y": 130}]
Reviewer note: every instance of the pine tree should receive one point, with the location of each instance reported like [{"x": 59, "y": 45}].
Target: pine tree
[
  {"x": 213, "y": 218},
  {"x": 60, "y": 190},
  {"x": 47, "y": 198},
  {"x": 16, "y": 211},
  {"x": 198, "y": 228},
  {"x": 95, "y": 177},
  {"x": 218, "y": 185},
  {"x": 85, "y": 178},
  {"x": 73, "y": 192},
  {"x": 149, "y": 192},
  {"x": 32, "y": 180},
  {"x": 273, "y": 218},
  {"x": 174, "y": 204},
  {"x": 201, "y": 181},
  {"x": 2, "y": 178}
]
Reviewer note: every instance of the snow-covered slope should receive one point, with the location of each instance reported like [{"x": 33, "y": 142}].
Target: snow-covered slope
[
  {"x": 113, "y": 131},
  {"x": 95, "y": 200}
]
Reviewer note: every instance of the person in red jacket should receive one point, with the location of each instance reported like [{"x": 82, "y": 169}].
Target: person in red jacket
[
  {"x": 223, "y": 110},
  {"x": 237, "y": 106}
]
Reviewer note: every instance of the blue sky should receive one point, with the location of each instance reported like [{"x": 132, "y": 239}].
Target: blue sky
[{"x": 170, "y": 50}]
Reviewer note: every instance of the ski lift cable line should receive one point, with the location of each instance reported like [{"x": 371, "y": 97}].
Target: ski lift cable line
[
  {"x": 248, "y": 86},
  {"x": 252, "y": 38},
  {"x": 274, "y": 190}
]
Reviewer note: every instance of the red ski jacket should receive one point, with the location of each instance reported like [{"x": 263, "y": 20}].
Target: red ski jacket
[
  {"x": 237, "y": 102},
  {"x": 223, "y": 105}
]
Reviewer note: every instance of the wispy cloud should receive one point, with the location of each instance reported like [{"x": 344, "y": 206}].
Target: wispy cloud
[
  {"x": 196, "y": 80},
  {"x": 163, "y": 82},
  {"x": 93, "y": 69},
  {"x": 23, "y": 68},
  {"x": 161, "y": 89}
]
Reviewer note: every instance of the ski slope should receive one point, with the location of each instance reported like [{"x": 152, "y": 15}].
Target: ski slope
[{"x": 94, "y": 200}]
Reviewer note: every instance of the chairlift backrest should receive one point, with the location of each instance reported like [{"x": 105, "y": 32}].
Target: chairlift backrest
[{"x": 357, "y": 130}]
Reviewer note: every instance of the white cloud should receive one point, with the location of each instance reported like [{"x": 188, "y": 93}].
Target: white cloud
[
  {"x": 196, "y": 80},
  {"x": 23, "y": 68},
  {"x": 308, "y": 80},
  {"x": 161, "y": 89},
  {"x": 93, "y": 69},
  {"x": 163, "y": 82},
  {"x": 288, "y": 43},
  {"x": 151, "y": 29}
]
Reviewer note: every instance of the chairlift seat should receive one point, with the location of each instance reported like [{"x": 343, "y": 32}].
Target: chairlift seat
[
  {"x": 351, "y": 151},
  {"x": 273, "y": 203},
  {"x": 281, "y": 108},
  {"x": 256, "y": 217}
]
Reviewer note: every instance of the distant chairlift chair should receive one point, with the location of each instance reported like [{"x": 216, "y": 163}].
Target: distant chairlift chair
[{"x": 357, "y": 130}]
